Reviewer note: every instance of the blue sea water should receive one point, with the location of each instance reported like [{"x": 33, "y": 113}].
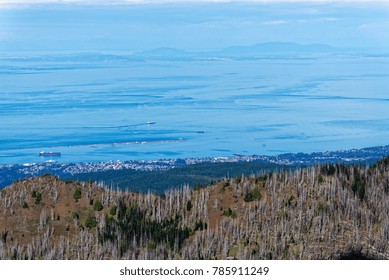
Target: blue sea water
[{"x": 93, "y": 107}]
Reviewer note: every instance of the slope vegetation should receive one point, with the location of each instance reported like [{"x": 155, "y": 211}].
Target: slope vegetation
[{"x": 322, "y": 212}]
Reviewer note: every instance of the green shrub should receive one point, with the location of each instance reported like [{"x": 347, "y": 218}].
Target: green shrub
[
  {"x": 230, "y": 213},
  {"x": 97, "y": 206},
  {"x": 77, "y": 194},
  {"x": 38, "y": 198},
  {"x": 113, "y": 210},
  {"x": 75, "y": 215},
  {"x": 253, "y": 195},
  {"x": 200, "y": 225},
  {"x": 90, "y": 221}
]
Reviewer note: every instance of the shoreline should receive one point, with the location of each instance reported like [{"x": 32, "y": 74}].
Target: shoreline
[{"x": 13, "y": 172}]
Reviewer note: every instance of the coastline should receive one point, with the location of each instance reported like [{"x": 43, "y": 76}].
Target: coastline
[{"x": 12, "y": 172}]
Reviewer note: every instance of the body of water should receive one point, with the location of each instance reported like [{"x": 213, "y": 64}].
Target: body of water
[{"x": 93, "y": 107}]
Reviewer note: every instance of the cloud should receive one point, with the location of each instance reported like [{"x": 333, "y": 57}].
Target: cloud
[
  {"x": 327, "y": 19},
  {"x": 330, "y": 19},
  {"x": 275, "y": 22}
]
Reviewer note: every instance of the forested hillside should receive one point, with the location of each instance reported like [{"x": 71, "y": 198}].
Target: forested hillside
[
  {"x": 192, "y": 175},
  {"x": 321, "y": 212}
]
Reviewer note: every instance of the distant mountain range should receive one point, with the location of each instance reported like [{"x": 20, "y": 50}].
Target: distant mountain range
[
  {"x": 280, "y": 49},
  {"x": 253, "y": 50}
]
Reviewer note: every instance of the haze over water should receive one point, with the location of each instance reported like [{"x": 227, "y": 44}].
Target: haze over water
[
  {"x": 104, "y": 108},
  {"x": 107, "y": 105}
]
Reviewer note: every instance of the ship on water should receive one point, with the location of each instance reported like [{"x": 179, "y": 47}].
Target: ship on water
[{"x": 49, "y": 154}]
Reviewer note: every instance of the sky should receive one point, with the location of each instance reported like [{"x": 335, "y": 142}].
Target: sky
[{"x": 95, "y": 25}]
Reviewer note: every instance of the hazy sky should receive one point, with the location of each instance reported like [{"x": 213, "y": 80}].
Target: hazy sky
[{"x": 133, "y": 25}]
